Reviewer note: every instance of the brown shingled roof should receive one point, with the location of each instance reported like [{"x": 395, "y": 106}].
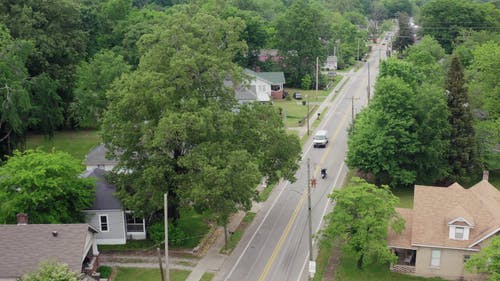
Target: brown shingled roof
[
  {"x": 433, "y": 206},
  {"x": 402, "y": 240},
  {"x": 23, "y": 247}
]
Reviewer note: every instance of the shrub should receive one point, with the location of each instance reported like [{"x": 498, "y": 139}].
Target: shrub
[
  {"x": 105, "y": 271},
  {"x": 176, "y": 236}
]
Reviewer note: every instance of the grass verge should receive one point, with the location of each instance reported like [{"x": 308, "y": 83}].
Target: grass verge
[
  {"x": 77, "y": 143},
  {"x": 264, "y": 194},
  {"x": 148, "y": 274},
  {"x": 207, "y": 276},
  {"x": 236, "y": 236}
]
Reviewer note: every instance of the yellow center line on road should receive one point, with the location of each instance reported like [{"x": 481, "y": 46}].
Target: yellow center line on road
[{"x": 288, "y": 227}]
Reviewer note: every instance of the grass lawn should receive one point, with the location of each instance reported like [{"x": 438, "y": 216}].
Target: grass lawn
[
  {"x": 193, "y": 224},
  {"x": 294, "y": 111},
  {"x": 130, "y": 246},
  {"x": 148, "y": 274},
  {"x": 347, "y": 271},
  {"x": 77, "y": 143},
  {"x": 405, "y": 197},
  {"x": 207, "y": 276}
]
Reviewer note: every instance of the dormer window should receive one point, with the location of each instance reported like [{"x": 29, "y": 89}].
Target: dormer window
[{"x": 459, "y": 233}]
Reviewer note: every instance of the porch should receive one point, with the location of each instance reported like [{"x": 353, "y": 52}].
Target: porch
[{"x": 406, "y": 261}]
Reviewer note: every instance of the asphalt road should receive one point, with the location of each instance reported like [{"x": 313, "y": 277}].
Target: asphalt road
[{"x": 276, "y": 246}]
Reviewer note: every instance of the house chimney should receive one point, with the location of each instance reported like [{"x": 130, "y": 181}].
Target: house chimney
[
  {"x": 22, "y": 219},
  {"x": 54, "y": 233},
  {"x": 486, "y": 175}
]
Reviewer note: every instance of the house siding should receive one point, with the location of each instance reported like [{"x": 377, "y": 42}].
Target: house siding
[
  {"x": 116, "y": 226},
  {"x": 451, "y": 267}
]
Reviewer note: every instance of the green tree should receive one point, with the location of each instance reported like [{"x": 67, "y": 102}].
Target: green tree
[
  {"x": 404, "y": 36},
  {"x": 52, "y": 271},
  {"x": 487, "y": 260},
  {"x": 426, "y": 57},
  {"x": 94, "y": 78},
  {"x": 362, "y": 216},
  {"x": 485, "y": 98},
  {"x": 300, "y": 40},
  {"x": 462, "y": 155},
  {"x": 384, "y": 140},
  {"x": 445, "y": 19},
  {"x": 47, "y": 111},
  {"x": 44, "y": 185},
  {"x": 398, "y": 6},
  {"x": 176, "y": 103},
  {"x": 14, "y": 97},
  {"x": 55, "y": 28},
  {"x": 220, "y": 181}
]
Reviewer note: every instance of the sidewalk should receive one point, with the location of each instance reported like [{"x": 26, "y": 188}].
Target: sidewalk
[{"x": 213, "y": 259}]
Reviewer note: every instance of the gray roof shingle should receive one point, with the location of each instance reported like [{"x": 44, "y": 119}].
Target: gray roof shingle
[
  {"x": 23, "y": 247},
  {"x": 104, "y": 193}
]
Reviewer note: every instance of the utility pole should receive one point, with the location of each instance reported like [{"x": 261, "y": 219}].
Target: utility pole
[
  {"x": 308, "y": 119},
  {"x": 358, "y": 50},
  {"x": 161, "y": 267},
  {"x": 312, "y": 264},
  {"x": 165, "y": 206},
  {"x": 369, "y": 84},
  {"x": 317, "y": 73}
]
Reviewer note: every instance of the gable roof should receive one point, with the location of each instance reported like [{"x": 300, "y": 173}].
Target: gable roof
[
  {"x": 402, "y": 240},
  {"x": 104, "y": 193},
  {"x": 434, "y": 206},
  {"x": 23, "y": 247},
  {"x": 269, "y": 77},
  {"x": 98, "y": 156}
]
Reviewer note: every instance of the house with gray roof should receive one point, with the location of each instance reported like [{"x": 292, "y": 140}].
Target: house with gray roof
[
  {"x": 24, "y": 246},
  {"x": 97, "y": 158},
  {"x": 115, "y": 224}
]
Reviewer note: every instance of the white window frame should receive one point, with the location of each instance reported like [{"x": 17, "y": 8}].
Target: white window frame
[
  {"x": 457, "y": 232},
  {"x": 107, "y": 223},
  {"x": 435, "y": 258}
]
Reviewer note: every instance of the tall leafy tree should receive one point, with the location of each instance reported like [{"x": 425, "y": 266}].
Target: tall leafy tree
[
  {"x": 301, "y": 28},
  {"x": 94, "y": 78},
  {"x": 485, "y": 97},
  {"x": 14, "y": 97},
  {"x": 47, "y": 111},
  {"x": 55, "y": 28},
  {"x": 462, "y": 156},
  {"x": 46, "y": 186},
  {"x": 404, "y": 36},
  {"x": 361, "y": 218},
  {"x": 175, "y": 107},
  {"x": 445, "y": 19}
]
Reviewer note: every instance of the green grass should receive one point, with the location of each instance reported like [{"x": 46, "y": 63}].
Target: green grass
[
  {"x": 207, "y": 276},
  {"x": 148, "y": 274},
  {"x": 405, "y": 197},
  {"x": 347, "y": 271},
  {"x": 77, "y": 143},
  {"x": 132, "y": 245},
  {"x": 264, "y": 194},
  {"x": 236, "y": 236},
  {"x": 294, "y": 111}
]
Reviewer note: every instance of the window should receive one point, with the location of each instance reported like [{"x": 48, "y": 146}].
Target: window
[
  {"x": 459, "y": 233},
  {"x": 435, "y": 258},
  {"x": 103, "y": 222},
  {"x": 466, "y": 258}
]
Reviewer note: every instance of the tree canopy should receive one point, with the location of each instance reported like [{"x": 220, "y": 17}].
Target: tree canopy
[
  {"x": 362, "y": 216},
  {"x": 487, "y": 260},
  {"x": 175, "y": 109},
  {"x": 52, "y": 271},
  {"x": 44, "y": 185}
]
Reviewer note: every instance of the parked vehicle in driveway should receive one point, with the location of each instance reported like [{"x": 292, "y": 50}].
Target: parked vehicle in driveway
[
  {"x": 320, "y": 139},
  {"x": 297, "y": 96}
]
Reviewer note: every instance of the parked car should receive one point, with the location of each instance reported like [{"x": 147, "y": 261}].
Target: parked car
[{"x": 297, "y": 96}]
